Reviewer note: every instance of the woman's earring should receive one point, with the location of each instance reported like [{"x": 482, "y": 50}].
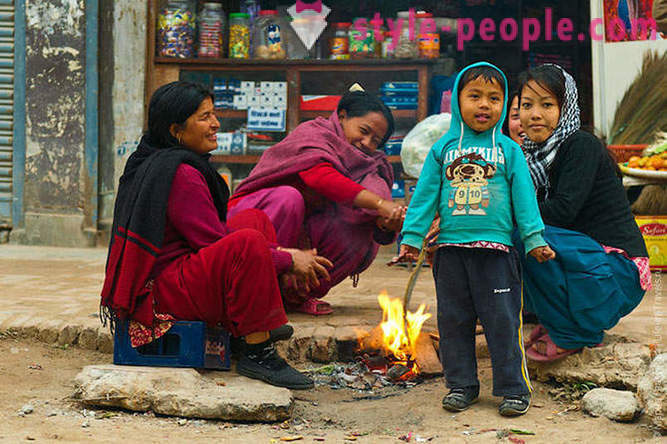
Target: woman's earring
[{"x": 179, "y": 139}]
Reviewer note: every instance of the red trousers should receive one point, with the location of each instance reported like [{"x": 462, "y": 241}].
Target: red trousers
[{"x": 232, "y": 281}]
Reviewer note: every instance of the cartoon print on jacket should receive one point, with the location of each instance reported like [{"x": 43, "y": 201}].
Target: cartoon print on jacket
[{"x": 468, "y": 178}]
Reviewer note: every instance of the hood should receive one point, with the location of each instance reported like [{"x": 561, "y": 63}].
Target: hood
[{"x": 458, "y": 129}]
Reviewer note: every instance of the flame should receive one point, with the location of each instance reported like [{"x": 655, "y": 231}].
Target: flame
[{"x": 396, "y": 339}]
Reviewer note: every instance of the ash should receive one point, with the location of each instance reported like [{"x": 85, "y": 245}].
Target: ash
[{"x": 362, "y": 377}]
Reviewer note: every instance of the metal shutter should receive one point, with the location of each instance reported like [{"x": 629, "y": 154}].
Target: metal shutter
[{"x": 6, "y": 106}]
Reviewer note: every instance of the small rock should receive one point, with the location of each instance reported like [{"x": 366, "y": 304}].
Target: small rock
[
  {"x": 14, "y": 351},
  {"x": 614, "y": 404},
  {"x": 182, "y": 422},
  {"x": 26, "y": 410},
  {"x": 652, "y": 392},
  {"x": 53, "y": 413},
  {"x": 85, "y": 424}
]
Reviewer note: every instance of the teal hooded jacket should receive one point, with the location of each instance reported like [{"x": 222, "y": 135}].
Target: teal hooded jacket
[{"x": 479, "y": 184}]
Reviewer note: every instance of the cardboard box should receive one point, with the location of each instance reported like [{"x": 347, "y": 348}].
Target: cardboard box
[
  {"x": 280, "y": 87},
  {"x": 266, "y": 101},
  {"x": 231, "y": 143},
  {"x": 240, "y": 101},
  {"x": 654, "y": 230},
  {"x": 247, "y": 86},
  {"x": 319, "y": 103},
  {"x": 280, "y": 101}
]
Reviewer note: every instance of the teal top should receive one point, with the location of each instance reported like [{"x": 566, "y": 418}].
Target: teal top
[{"x": 479, "y": 184}]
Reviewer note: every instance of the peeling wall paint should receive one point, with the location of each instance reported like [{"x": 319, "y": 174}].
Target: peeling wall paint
[
  {"x": 121, "y": 91},
  {"x": 55, "y": 106},
  {"x": 55, "y": 17}
]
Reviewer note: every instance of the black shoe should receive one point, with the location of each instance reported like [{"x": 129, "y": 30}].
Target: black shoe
[
  {"x": 514, "y": 405},
  {"x": 261, "y": 361},
  {"x": 282, "y": 333},
  {"x": 459, "y": 399}
]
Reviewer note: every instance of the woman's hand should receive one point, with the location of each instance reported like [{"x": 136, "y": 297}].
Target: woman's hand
[
  {"x": 394, "y": 221},
  {"x": 542, "y": 254},
  {"x": 307, "y": 268}
]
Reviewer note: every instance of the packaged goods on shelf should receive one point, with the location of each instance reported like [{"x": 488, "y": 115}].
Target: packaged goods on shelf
[
  {"x": 176, "y": 30},
  {"x": 398, "y": 189},
  {"x": 319, "y": 103},
  {"x": 400, "y": 86},
  {"x": 400, "y": 95},
  {"x": 244, "y": 94},
  {"x": 234, "y": 142},
  {"x": 394, "y": 144},
  {"x": 654, "y": 231}
]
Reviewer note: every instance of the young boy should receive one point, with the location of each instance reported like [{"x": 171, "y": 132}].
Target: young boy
[{"x": 478, "y": 181}]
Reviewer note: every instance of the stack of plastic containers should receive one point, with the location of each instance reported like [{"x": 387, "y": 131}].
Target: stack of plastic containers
[{"x": 400, "y": 95}]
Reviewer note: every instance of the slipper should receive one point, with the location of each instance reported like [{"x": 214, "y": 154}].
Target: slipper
[
  {"x": 552, "y": 351},
  {"x": 313, "y": 306},
  {"x": 535, "y": 335}
]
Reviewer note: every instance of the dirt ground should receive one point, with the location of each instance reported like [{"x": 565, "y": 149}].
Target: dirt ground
[{"x": 42, "y": 376}]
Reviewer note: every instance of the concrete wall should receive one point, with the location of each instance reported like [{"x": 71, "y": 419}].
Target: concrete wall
[
  {"x": 122, "y": 78},
  {"x": 615, "y": 66},
  {"x": 57, "y": 210}
]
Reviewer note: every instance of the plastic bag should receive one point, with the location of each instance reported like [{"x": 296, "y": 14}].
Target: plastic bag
[{"x": 419, "y": 141}]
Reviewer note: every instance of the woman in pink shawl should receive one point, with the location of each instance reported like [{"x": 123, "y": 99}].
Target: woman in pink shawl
[{"x": 327, "y": 186}]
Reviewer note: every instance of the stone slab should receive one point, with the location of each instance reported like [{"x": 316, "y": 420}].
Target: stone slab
[
  {"x": 615, "y": 365},
  {"x": 652, "y": 392},
  {"x": 618, "y": 405},
  {"x": 183, "y": 392}
]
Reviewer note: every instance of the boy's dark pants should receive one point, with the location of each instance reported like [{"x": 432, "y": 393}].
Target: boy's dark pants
[{"x": 480, "y": 283}]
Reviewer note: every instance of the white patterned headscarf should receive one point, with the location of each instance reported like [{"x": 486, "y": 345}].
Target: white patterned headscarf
[{"x": 541, "y": 156}]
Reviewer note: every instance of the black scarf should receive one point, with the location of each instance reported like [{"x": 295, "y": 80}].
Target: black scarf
[{"x": 139, "y": 223}]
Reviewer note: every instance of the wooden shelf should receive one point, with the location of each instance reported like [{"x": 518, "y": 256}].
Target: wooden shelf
[
  {"x": 397, "y": 113},
  {"x": 252, "y": 159},
  {"x": 231, "y": 113},
  {"x": 291, "y": 62}
]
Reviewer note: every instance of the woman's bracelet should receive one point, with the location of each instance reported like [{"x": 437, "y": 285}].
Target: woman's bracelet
[{"x": 379, "y": 203}]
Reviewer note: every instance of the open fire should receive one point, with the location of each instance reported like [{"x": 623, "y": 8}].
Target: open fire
[
  {"x": 396, "y": 353},
  {"x": 397, "y": 344}
]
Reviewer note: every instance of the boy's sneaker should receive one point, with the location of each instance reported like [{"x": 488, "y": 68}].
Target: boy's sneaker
[
  {"x": 514, "y": 405},
  {"x": 261, "y": 361},
  {"x": 459, "y": 399}
]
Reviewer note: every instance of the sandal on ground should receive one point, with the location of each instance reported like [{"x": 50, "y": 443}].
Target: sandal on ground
[
  {"x": 514, "y": 405},
  {"x": 535, "y": 335},
  {"x": 459, "y": 399},
  {"x": 552, "y": 353},
  {"x": 313, "y": 306}
]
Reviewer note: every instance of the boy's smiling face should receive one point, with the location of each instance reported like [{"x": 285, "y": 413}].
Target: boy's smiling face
[{"x": 481, "y": 103}]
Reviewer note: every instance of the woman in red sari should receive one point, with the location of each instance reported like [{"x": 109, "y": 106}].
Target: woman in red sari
[
  {"x": 327, "y": 186},
  {"x": 174, "y": 253}
]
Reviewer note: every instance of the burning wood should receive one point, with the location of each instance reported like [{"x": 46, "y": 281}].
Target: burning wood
[{"x": 398, "y": 342}]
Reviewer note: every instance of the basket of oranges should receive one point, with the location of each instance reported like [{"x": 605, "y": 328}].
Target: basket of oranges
[{"x": 652, "y": 166}]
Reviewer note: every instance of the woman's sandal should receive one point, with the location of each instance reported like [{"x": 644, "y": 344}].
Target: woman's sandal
[
  {"x": 535, "y": 335},
  {"x": 552, "y": 353},
  {"x": 313, "y": 306}
]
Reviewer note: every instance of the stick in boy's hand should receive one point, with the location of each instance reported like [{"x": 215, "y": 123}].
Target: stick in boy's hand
[{"x": 543, "y": 253}]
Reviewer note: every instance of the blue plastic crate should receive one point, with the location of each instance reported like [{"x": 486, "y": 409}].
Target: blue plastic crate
[{"x": 186, "y": 344}]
